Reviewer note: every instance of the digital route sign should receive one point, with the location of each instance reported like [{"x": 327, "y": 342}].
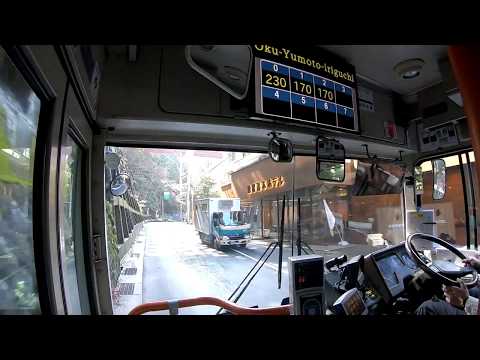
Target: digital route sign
[{"x": 303, "y": 86}]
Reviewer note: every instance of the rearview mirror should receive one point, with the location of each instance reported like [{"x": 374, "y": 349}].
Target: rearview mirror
[
  {"x": 330, "y": 160},
  {"x": 280, "y": 150},
  {"x": 119, "y": 185},
  {"x": 227, "y": 66},
  {"x": 439, "y": 175}
]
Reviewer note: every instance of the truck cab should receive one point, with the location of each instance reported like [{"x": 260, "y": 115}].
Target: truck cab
[{"x": 221, "y": 223}]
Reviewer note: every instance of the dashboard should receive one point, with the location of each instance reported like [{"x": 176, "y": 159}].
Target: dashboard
[{"x": 387, "y": 269}]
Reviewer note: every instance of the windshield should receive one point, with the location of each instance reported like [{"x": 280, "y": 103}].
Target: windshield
[
  {"x": 237, "y": 218},
  {"x": 207, "y": 217},
  {"x": 356, "y": 216}
]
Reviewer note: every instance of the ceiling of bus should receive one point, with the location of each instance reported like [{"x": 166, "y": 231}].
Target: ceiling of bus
[{"x": 375, "y": 63}]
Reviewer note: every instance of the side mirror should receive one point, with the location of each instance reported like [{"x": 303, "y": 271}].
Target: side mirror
[
  {"x": 280, "y": 150},
  {"x": 330, "y": 160},
  {"x": 119, "y": 185},
  {"x": 439, "y": 178},
  {"x": 227, "y": 66}
]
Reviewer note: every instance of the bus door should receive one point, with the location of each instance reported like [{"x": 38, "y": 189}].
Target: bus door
[{"x": 73, "y": 206}]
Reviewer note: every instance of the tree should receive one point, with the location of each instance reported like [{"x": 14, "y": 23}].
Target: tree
[
  {"x": 151, "y": 173},
  {"x": 204, "y": 188},
  {"x": 171, "y": 165}
]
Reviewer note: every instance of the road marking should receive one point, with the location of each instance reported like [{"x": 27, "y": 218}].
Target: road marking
[{"x": 266, "y": 264}]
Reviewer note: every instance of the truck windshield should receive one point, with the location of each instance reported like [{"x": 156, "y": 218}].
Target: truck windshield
[
  {"x": 237, "y": 218},
  {"x": 165, "y": 228}
]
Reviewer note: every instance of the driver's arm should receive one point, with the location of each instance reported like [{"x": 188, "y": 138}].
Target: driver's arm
[
  {"x": 472, "y": 304},
  {"x": 460, "y": 297}
]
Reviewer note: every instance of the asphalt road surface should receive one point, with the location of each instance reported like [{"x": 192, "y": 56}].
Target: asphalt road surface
[{"x": 177, "y": 265}]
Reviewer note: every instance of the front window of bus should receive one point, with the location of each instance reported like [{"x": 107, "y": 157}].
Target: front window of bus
[
  {"x": 357, "y": 216},
  {"x": 193, "y": 256}
]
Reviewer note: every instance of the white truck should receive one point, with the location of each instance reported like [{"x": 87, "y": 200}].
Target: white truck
[{"x": 220, "y": 222}]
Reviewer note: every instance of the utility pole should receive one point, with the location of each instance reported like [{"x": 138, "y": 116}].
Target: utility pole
[
  {"x": 188, "y": 197},
  {"x": 181, "y": 184},
  {"x": 161, "y": 205}
]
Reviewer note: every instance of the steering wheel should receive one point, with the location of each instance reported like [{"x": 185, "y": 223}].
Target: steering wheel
[{"x": 442, "y": 270}]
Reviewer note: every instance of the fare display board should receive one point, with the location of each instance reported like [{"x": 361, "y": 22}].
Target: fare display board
[{"x": 306, "y": 86}]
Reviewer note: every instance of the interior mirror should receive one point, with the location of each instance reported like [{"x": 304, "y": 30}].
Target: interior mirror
[
  {"x": 112, "y": 160},
  {"x": 227, "y": 66},
  {"x": 439, "y": 178},
  {"x": 119, "y": 185},
  {"x": 330, "y": 160},
  {"x": 280, "y": 150}
]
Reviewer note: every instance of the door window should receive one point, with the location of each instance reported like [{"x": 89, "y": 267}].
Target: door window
[
  {"x": 71, "y": 244},
  {"x": 447, "y": 217},
  {"x": 19, "y": 113}
]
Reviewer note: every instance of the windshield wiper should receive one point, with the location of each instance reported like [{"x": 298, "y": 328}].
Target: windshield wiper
[
  {"x": 301, "y": 245},
  {"x": 259, "y": 261},
  {"x": 250, "y": 280},
  {"x": 280, "y": 244}
]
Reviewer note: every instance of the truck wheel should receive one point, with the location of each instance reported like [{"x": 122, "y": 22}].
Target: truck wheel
[{"x": 218, "y": 246}]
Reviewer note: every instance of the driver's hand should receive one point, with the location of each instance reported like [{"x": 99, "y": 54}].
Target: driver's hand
[
  {"x": 473, "y": 262},
  {"x": 456, "y": 296}
]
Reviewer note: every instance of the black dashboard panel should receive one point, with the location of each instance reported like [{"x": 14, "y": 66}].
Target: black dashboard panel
[{"x": 387, "y": 269}]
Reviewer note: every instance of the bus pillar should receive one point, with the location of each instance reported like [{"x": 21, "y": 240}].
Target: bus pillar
[{"x": 464, "y": 60}]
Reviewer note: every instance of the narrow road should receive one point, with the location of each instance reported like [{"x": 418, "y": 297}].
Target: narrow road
[{"x": 177, "y": 265}]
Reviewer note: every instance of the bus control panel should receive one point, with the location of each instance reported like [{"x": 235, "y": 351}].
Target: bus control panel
[{"x": 307, "y": 284}]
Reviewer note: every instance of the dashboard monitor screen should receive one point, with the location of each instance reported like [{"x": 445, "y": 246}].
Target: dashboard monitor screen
[
  {"x": 305, "y": 86},
  {"x": 389, "y": 267}
]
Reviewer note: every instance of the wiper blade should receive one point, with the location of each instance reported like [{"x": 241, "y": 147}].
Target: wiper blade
[
  {"x": 251, "y": 270},
  {"x": 280, "y": 244},
  {"x": 299, "y": 230}
]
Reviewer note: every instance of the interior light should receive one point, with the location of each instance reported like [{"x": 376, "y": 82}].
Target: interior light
[
  {"x": 409, "y": 69},
  {"x": 411, "y": 74}
]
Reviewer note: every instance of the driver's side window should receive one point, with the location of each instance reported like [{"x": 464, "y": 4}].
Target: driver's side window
[{"x": 446, "y": 217}]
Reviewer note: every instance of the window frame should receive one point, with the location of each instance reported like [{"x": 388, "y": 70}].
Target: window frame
[
  {"x": 23, "y": 60},
  {"x": 75, "y": 125},
  {"x": 473, "y": 197}
]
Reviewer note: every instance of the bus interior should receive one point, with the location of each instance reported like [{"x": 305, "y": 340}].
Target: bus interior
[{"x": 257, "y": 179}]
